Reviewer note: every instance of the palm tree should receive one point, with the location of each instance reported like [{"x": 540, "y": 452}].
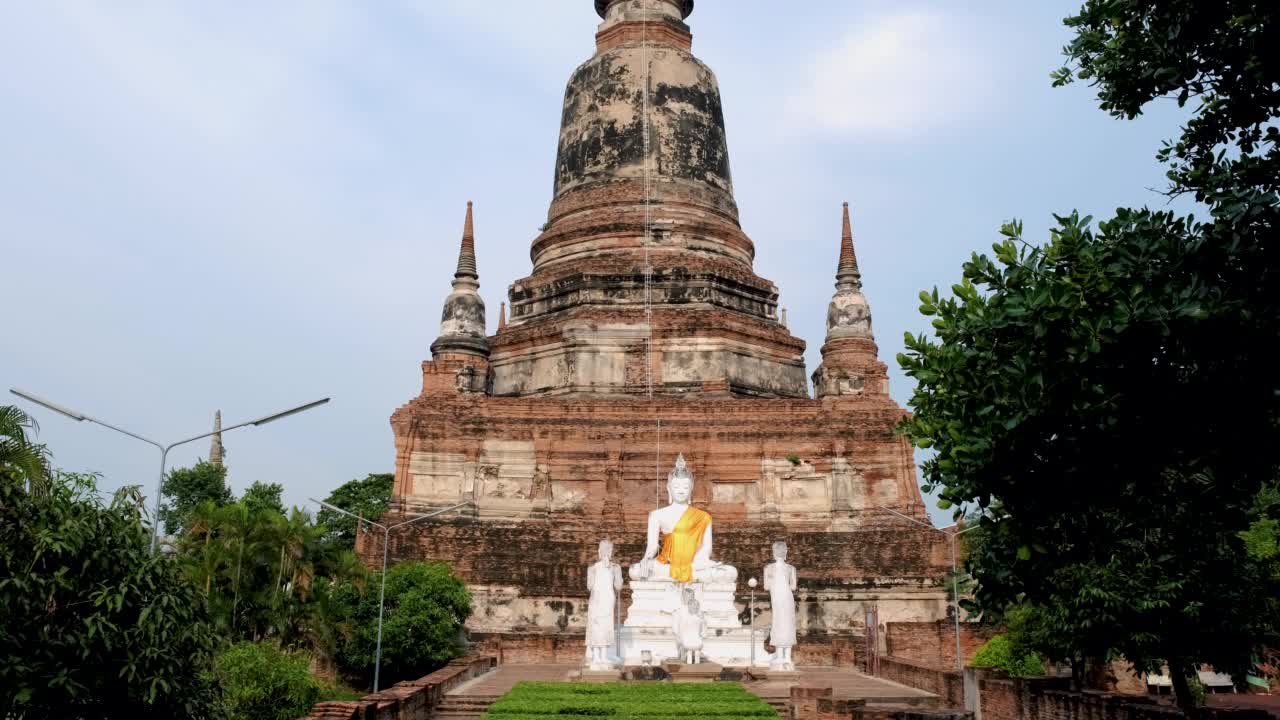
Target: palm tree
[{"x": 21, "y": 459}]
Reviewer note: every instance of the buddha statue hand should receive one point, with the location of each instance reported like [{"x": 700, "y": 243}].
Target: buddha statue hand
[{"x": 641, "y": 570}]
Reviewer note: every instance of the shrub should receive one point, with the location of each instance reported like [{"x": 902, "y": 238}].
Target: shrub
[
  {"x": 263, "y": 683},
  {"x": 998, "y": 653}
]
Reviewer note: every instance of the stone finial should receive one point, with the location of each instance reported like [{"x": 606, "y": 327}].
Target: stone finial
[
  {"x": 216, "y": 451},
  {"x": 467, "y": 253},
  {"x": 462, "y": 327},
  {"x": 847, "y": 271},
  {"x": 502, "y": 316},
  {"x": 784, "y": 317}
]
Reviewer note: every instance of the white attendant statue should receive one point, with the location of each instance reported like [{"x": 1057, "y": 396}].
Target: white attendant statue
[
  {"x": 684, "y": 555},
  {"x": 780, "y": 581},
  {"x": 604, "y": 580},
  {"x": 689, "y": 626}
]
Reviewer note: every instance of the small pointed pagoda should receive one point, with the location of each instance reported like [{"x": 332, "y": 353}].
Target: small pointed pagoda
[{"x": 642, "y": 332}]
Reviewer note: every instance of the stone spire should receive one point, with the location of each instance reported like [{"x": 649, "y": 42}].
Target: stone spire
[
  {"x": 502, "y": 316},
  {"x": 848, "y": 315},
  {"x": 467, "y": 254},
  {"x": 850, "y": 366},
  {"x": 216, "y": 451},
  {"x": 847, "y": 271},
  {"x": 462, "y": 325}
]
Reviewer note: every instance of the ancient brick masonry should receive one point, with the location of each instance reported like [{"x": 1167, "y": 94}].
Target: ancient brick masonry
[{"x": 643, "y": 331}]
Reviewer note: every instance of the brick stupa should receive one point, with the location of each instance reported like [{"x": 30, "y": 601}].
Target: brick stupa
[{"x": 559, "y": 427}]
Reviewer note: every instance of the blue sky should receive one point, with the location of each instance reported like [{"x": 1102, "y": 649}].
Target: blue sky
[{"x": 247, "y": 206}]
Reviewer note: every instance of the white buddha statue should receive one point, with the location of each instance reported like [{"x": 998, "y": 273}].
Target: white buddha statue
[
  {"x": 780, "y": 581},
  {"x": 684, "y": 554},
  {"x": 604, "y": 581}
]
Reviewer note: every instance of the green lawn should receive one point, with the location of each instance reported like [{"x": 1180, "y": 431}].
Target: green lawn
[{"x": 645, "y": 700}]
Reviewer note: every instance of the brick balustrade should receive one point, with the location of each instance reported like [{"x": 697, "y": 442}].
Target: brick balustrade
[{"x": 411, "y": 700}]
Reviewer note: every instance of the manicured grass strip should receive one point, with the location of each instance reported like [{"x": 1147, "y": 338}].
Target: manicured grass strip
[{"x": 620, "y": 701}]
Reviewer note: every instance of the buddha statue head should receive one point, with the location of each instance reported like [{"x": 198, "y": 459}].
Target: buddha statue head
[
  {"x": 679, "y": 483},
  {"x": 780, "y": 551},
  {"x": 606, "y": 550}
]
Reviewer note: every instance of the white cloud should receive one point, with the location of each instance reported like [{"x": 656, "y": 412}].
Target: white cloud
[{"x": 898, "y": 73}]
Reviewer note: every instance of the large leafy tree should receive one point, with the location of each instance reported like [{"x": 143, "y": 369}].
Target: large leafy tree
[
  {"x": 185, "y": 488},
  {"x": 95, "y": 624},
  {"x": 426, "y": 606},
  {"x": 368, "y": 497},
  {"x": 1104, "y": 396}
]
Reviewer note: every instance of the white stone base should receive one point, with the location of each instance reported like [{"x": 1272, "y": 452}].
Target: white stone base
[
  {"x": 654, "y": 601},
  {"x": 724, "y": 646}
]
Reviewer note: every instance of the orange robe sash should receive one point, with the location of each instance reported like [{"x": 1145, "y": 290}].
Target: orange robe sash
[{"x": 679, "y": 547}]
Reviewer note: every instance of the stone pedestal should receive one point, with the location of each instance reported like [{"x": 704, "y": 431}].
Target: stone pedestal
[
  {"x": 600, "y": 676},
  {"x": 703, "y": 672},
  {"x": 730, "y": 647},
  {"x": 653, "y": 602}
]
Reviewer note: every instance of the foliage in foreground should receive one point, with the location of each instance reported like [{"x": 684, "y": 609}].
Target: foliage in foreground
[
  {"x": 1094, "y": 396},
  {"x": 426, "y": 606},
  {"x": 263, "y": 683},
  {"x": 536, "y": 701},
  {"x": 96, "y": 625},
  {"x": 21, "y": 459},
  {"x": 999, "y": 653}
]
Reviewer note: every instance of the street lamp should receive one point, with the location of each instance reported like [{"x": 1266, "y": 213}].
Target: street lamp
[
  {"x": 955, "y": 589},
  {"x": 164, "y": 449},
  {"x": 751, "y": 616},
  {"x": 386, "y": 540}
]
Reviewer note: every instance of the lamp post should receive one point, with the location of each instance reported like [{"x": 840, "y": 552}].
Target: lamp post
[
  {"x": 751, "y": 618},
  {"x": 386, "y": 538},
  {"x": 955, "y": 590},
  {"x": 164, "y": 449}
]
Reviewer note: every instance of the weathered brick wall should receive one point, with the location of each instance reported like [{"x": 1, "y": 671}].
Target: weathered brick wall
[
  {"x": 819, "y": 703},
  {"x": 934, "y": 643},
  {"x": 519, "y": 649},
  {"x": 1002, "y": 698},
  {"x": 411, "y": 700},
  {"x": 946, "y": 684}
]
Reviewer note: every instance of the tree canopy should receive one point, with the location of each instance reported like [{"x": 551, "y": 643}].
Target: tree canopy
[
  {"x": 186, "y": 488},
  {"x": 369, "y": 497},
  {"x": 1102, "y": 396}
]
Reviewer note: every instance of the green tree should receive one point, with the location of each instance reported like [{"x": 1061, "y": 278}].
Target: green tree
[
  {"x": 260, "y": 497},
  {"x": 186, "y": 488},
  {"x": 95, "y": 624},
  {"x": 21, "y": 459},
  {"x": 264, "y": 683},
  {"x": 368, "y": 497},
  {"x": 1095, "y": 395},
  {"x": 426, "y": 606}
]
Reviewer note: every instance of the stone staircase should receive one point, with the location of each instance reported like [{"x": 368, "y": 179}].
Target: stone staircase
[{"x": 464, "y": 706}]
